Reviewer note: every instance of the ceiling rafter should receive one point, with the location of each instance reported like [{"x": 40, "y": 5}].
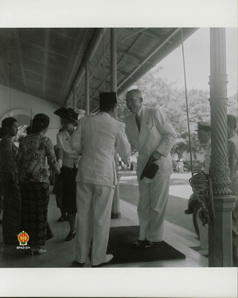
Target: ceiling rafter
[
  {"x": 60, "y": 33},
  {"x": 146, "y": 60},
  {"x": 80, "y": 44},
  {"x": 150, "y": 33},
  {"x": 46, "y": 58},
  {"x": 133, "y": 33},
  {"x": 88, "y": 54},
  {"x": 118, "y": 63},
  {"x": 130, "y": 54},
  {"x": 19, "y": 53},
  {"x": 163, "y": 49}
]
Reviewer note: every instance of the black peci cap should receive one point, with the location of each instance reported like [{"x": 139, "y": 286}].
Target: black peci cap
[
  {"x": 108, "y": 101},
  {"x": 108, "y": 98}
]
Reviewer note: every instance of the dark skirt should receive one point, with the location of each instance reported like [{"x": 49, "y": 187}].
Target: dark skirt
[
  {"x": 68, "y": 176},
  {"x": 35, "y": 198},
  {"x": 11, "y": 221},
  {"x": 58, "y": 190}
]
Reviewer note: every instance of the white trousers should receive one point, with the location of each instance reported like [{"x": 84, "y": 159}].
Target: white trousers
[
  {"x": 153, "y": 198},
  {"x": 94, "y": 203}
]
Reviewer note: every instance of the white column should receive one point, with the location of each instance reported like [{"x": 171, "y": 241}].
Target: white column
[{"x": 220, "y": 230}]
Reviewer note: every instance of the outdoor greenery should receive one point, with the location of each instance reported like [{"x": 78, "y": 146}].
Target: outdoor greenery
[{"x": 157, "y": 91}]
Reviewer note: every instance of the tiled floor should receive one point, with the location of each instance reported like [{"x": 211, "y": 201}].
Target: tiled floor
[{"x": 61, "y": 254}]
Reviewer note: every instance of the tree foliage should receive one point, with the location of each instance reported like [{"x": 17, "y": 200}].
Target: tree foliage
[{"x": 157, "y": 91}]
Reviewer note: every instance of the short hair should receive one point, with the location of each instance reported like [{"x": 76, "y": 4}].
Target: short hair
[
  {"x": 135, "y": 92},
  {"x": 39, "y": 123},
  {"x": 231, "y": 121},
  {"x": 7, "y": 123}
]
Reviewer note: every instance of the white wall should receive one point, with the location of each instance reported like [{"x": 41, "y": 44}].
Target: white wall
[{"x": 31, "y": 105}]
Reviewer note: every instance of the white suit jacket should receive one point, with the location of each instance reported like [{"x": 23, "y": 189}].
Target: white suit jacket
[
  {"x": 96, "y": 138},
  {"x": 156, "y": 134}
]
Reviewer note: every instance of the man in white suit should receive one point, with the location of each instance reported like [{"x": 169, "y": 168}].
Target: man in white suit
[
  {"x": 96, "y": 138},
  {"x": 152, "y": 135}
]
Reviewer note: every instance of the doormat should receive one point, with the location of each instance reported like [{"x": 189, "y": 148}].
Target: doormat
[{"x": 120, "y": 245}]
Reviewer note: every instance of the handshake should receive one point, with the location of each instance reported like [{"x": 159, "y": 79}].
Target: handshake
[{"x": 150, "y": 168}]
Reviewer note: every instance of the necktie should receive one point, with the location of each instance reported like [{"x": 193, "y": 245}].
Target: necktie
[{"x": 138, "y": 121}]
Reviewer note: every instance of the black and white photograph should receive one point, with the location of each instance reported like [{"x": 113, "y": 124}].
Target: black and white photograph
[{"x": 118, "y": 150}]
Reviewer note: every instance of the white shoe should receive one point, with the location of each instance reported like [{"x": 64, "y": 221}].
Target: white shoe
[
  {"x": 107, "y": 260},
  {"x": 38, "y": 251}
]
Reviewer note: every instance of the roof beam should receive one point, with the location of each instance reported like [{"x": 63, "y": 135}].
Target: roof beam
[
  {"x": 133, "y": 33},
  {"x": 48, "y": 50},
  {"x": 154, "y": 57},
  {"x": 130, "y": 54},
  {"x": 19, "y": 53},
  {"x": 88, "y": 54},
  {"x": 155, "y": 51},
  {"x": 46, "y": 58},
  {"x": 77, "y": 59},
  {"x": 128, "y": 49},
  {"x": 152, "y": 34}
]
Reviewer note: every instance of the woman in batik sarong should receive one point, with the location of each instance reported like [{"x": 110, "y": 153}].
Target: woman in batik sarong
[
  {"x": 9, "y": 182},
  {"x": 36, "y": 154}
]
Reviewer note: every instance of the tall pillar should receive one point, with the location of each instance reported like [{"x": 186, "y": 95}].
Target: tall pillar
[
  {"x": 220, "y": 230},
  {"x": 87, "y": 98},
  {"x": 75, "y": 100},
  {"x": 116, "y": 198}
]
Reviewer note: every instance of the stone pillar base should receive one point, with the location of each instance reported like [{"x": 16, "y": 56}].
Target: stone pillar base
[{"x": 220, "y": 232}]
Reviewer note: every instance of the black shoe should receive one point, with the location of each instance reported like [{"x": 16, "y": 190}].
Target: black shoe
[
  {"x": 148, "y": 244},
  {"x": 142, "y": 244},
  {"x": 138, "y": 244},
  {"x": 70, "y": 236},
  {"x": 188, "y": 211},
  {"x": 77, "y": 264},
  {"x": 115, "y": 215},
  {"x": 155, "y": 243}
]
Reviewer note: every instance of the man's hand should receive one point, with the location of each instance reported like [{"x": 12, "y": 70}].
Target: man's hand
[{"x": 154, "y": 157}]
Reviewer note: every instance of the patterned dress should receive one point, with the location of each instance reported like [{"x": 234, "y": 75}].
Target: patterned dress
[
  {"x": 36, "y": 154},
  {"x": 10, "y": 190}
]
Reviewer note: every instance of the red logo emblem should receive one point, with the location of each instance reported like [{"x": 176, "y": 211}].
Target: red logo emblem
[{"x": 23, "y": 238}]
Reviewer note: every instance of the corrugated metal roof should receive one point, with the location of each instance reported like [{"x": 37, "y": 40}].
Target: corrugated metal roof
[{"x": 45, "y": 61}]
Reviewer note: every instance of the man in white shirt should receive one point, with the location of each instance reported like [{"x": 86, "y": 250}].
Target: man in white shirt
[
  {"x": 97, "y": 137},
  {"x": 152, "y": 135}
]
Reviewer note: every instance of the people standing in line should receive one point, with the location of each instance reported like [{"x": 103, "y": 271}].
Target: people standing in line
[
  {"x": 233, "y": 165},
  {"x": 70, "y": 159},
  {"x": 152, "y": 135},
  {"x": 35, "y": 155},
  {"x": 11, "y": 222},
  {"x": 97, "y": 138}
]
